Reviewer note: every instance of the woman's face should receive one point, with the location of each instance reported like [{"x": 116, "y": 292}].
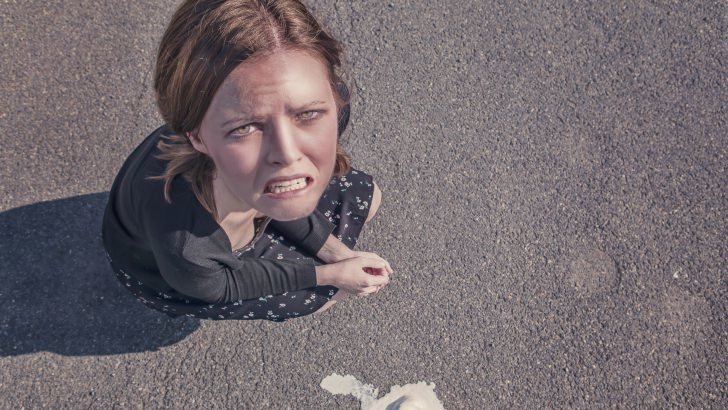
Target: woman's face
[{"x": 271, "y": 131}]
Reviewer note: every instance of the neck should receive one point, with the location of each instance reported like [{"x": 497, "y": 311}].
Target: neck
[{"x": 228, "y": 206}]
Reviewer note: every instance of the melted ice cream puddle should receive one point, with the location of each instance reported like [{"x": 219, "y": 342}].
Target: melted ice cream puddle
[{"x": 418, "y": 396}]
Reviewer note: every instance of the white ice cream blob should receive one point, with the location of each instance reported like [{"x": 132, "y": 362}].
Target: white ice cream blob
[{"x": 417, "y": 396}]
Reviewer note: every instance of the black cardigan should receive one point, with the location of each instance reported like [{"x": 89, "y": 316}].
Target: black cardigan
[{"x": 180, "y": 249}]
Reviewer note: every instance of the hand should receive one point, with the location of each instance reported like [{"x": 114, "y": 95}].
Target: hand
[
  {"x": 360, "y": 275},
  {"x": 374, "y": 271},
  {"x": 335, "y": 251},
  {"x": 375, "y": 256}
]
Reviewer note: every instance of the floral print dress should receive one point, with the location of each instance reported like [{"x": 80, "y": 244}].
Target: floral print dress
[{"x": 346, "y": 202}]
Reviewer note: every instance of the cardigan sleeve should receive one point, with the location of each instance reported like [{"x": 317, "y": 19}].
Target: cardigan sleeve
[
  {"x": 193, "y": 256},
  {"x": 309, "y": 233}
]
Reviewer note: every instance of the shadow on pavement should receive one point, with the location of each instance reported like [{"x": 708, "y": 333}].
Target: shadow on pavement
[{"x": 58, "y": 293}]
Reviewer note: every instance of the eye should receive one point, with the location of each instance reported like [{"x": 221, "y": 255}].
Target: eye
[
  {"x": 243, "y": 131},
  {"x": 309, "y": 115}
]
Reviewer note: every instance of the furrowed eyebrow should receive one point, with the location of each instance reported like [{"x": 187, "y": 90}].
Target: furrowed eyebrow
[
  {"x": 303, "y": 107},
  {"x": 310, "y": 105}
]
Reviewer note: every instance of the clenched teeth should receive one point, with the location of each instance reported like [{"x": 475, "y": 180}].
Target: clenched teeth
[{"x": 285, "y": 186}]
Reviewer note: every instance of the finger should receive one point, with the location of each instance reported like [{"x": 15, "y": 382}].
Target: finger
[
  {"x": 378, "y": 280},
  {"x": 380, "y": 265},
  {"x": 386, "y": 266},
  {"x": 371, "y": 271},
  {"x": 368, "y": 290},
  {"x": 376, "y": 271}
]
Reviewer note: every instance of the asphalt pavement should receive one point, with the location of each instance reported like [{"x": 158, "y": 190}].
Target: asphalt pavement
[{"x": 554, "y": 198}]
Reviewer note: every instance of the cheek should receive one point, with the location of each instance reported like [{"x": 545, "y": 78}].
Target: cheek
[
  {"x": 325, "y": 148},
  {"x": 323, "y": 153},
  {"x": 234, "y": 162}
]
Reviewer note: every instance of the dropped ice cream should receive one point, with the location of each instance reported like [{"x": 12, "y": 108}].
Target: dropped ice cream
[{"x": 417, "y": 396}]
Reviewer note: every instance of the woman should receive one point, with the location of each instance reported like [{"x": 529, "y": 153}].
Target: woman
[{"x": 244, "y": 206}]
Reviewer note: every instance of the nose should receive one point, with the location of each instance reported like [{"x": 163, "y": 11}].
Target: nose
[{"x": 283, "y": 147}]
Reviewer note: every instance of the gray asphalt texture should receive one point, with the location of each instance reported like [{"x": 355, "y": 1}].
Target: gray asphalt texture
[{"x": 554, "y": 179}]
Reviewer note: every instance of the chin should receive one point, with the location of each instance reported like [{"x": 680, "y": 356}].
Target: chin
[{"x": 291, "y": 212}]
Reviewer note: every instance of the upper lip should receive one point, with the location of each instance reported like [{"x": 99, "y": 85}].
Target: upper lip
[{"x": 286, "y": 178}]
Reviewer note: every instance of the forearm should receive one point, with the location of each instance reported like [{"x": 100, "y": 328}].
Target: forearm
[
  {"x": 308, "y": 234},
  {"x": 334, "y": 250}
]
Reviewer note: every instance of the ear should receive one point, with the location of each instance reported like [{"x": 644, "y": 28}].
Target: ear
[{"x": 196, "y": 141}]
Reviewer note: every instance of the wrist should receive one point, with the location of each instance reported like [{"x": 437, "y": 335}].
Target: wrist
[
  {"x": 324, "y": 275},
  {"x": 334, "y": 251}
]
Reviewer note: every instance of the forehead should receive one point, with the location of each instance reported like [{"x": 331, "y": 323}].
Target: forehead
[{"x": 285, "y": 76}]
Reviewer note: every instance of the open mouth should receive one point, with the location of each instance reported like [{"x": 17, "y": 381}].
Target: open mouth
[{"x": 292, "y": 185}]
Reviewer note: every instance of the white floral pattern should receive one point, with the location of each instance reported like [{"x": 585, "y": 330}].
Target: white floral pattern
[{"x": 346, "y": 204}]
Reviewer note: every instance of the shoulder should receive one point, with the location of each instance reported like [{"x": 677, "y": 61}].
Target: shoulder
[
  {"x": 182, "y": 212},
  {"x": 180, "y": 233},
  {"x": 138, "y": 189}
]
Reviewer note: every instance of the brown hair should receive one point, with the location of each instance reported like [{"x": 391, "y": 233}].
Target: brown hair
[{"x": 203, "y": 43}]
